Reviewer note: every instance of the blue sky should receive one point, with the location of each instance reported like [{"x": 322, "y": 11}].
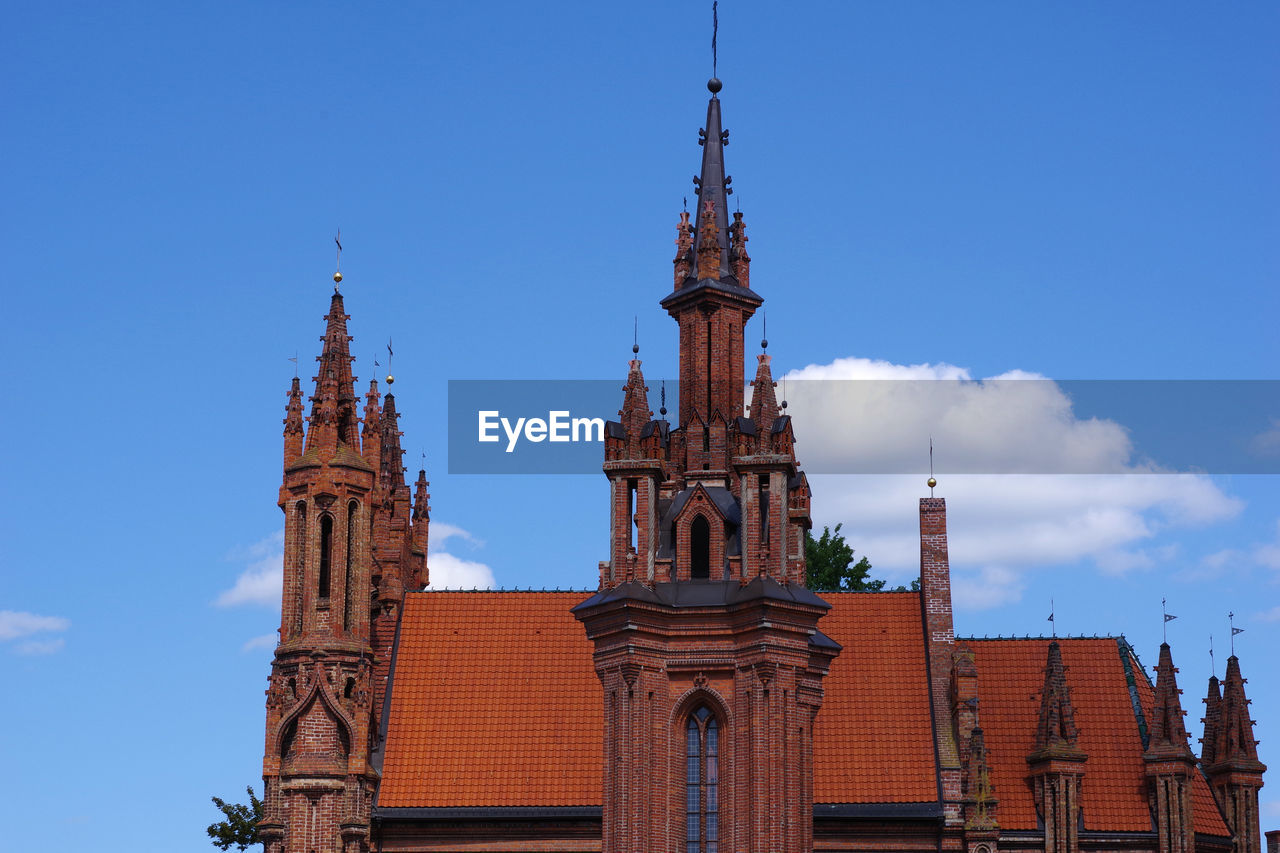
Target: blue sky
[{"x": 1079, "y": 193}]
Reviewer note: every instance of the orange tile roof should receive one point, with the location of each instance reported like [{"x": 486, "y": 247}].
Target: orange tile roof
[
  {"x": 454, "y": 736},
  {"x": 454, "y": 739},
  {"x": 1010, "y": 676},
  {"x": 873, "y": 740}
]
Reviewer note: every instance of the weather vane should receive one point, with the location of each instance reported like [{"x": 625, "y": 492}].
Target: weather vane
[
  {"x": 715, "y": 30},
  {"x": 1213, "y": 666},
  {"x": 932, "y": 482},
  {"x": 295, "y": 364},
  {"x": 635, "y": 335},
  {"x": 764, "y": 330},
  {"x": 1168, "y": 617},
  {"x": 1231, "y": 617},
  {"x": 1053, "y": 624},
  {"x": 391, "y": 379},
  {"x": 337, "y": 274},
  {"x": 663, "y": 411}
]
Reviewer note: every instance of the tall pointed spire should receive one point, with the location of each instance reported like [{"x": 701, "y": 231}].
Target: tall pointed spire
[
  {"x": 1167, "y": 732},
  {"x": 1235, "y": 741},
  {"x": 764, "y": 403},
  {"x": 712, "y": 185},
  {"x": 371, "y": 430},
  {"x": 293, "y": 424},
  {"x": 1212, "y": 720},
  {"x": 391, "y": 467},
  {"x": 635, "y": 412},
  {"x": 333, "y": 406},
  {"x": 1056, "y": 726}
]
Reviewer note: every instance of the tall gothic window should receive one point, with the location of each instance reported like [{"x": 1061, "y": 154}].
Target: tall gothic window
[
  {"x": 702, "y": 783},
  {"x": 326, "y": 553},
  {"x": 700, "y": 548}
]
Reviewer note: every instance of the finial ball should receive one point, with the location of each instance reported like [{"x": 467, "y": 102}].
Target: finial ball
[
  {"x": 764, "y": 343},
  {"x": 932, "y": 482},
  {"x": 337, "y": 277},
  {"x": 391, "y": 380},
  {"x": 714, "y": 85},
  {"x": 635, "y": 349}
]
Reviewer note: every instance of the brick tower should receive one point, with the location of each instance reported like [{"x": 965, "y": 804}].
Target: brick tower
[
  {"x": 1230, "y": 759},
  {"x": 705, "y": 637},
  {"x": 353, "y": 545},
  {"x": 1170, "y": 764},
  {"x": 1057, "y": 764}
]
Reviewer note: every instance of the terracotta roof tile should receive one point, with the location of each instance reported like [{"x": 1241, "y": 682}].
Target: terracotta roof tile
[
  {"x": 873, "y": 740},
  {"x": 452, "y": 736},
  {"x": 1010, "y": 675}
]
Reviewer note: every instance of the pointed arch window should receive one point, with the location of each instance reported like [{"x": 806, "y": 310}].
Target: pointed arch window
[
  {"x": 326, "y": 555},
  {"x": 702, "y": 782},
  {"x": 700, "y": 548}
]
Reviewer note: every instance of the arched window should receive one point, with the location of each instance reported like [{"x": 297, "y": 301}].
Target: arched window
[
  {"x": 298, "y": 584},
  {"x": 326, "y": 554},
  {"x": 700, "y": 548},
  {"x": 702, "y": 783},
  {"x": 348, "y": 613}
]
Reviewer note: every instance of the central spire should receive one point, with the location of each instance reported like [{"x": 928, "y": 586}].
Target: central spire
[{"x": 713, "y": 186}]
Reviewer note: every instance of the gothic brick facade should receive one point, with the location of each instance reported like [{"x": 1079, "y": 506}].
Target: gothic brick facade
[{"x": 702, "y": 699}]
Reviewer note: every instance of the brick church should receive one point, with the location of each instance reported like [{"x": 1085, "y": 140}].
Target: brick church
[{"x": 702, "y": 700}]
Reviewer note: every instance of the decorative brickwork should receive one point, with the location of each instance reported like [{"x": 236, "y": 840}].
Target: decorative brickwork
[
  {"x": 328, "y": 678},
  {"x": 1057, "y": 764},
  {"x": 1170, "y": 765},
  {"x": 1234, "y": 771}
]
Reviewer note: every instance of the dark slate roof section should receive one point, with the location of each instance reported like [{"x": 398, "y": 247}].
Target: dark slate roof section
[
  {"x": 1123, "y": 645},
  {"x": 879, "y": 811},
  {"x": 717, "y": 286},
  {"x": 613, "y": 429},
  {"x": 746, "y": 426},
  {"x": 822, "y": 641},
  {"x": 708, "y": 594},
  {"x": 720, "y": 496},
  {"x": 781, "y": 423}
]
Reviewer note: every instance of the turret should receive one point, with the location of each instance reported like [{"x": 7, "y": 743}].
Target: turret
[
  {"x": 1235, "y": 774},
  {"x": 1057, "y": 764},
  {"x": 1170, "y": 764}
]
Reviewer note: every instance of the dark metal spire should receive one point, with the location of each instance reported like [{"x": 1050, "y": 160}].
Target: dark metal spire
[{"x": 713, "y": 184}]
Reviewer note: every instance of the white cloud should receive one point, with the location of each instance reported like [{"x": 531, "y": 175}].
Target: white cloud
[
  {"x": 450, "y": 572},
  {"x": 265, "y": 641},
  {"x": 442, "y": 532},
  {"x": 1016, "y": 422},
  {"x": 262, "y": 581},
  {"x": 14, "y": 624},
  {"x": 1269, "y": 554},
  {"x": 1113, "y": 511},
  {"x": 40, "y": 647}
]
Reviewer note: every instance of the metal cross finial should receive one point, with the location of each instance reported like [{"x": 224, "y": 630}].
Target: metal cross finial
[
  {"x": 1213, "y": 667},
  {"x": 932, "y": 481},
  {"x": 295, "y": 364},
  {"x": 338, "y": 240},
  {"x": 635, "y": 335},
  {"x": 424, "y": 460},
  {"x": 715, "y": 30},
  {"x": 1053, "y": 624}
]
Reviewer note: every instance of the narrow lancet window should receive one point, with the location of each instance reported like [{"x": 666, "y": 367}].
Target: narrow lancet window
[
  {"x": 301, "y": 543},
  {"x": 764, "y": 508},
  {"x": 348, "y": 606},
  {"x": 700, "y": 548},
  {"x": 326, "y": 554},
  {"x": 702, "y": 783}
]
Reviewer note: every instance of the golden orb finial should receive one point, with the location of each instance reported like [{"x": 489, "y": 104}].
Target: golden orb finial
[
  {"x": 337, "y": 277},
  {"x": 391, "y": 380},
  {"x": 932, "y": 482}
]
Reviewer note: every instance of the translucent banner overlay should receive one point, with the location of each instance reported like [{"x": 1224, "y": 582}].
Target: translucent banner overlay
[{"x": 878, "y": 426}]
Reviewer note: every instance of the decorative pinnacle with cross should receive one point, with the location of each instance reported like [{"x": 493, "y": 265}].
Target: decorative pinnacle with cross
[{"x": 337, "y": 274}]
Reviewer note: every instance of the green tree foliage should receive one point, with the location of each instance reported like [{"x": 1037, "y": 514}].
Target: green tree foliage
[
  {"x": 241, "y": 826},
  {"x": 831, "y": 568}
]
